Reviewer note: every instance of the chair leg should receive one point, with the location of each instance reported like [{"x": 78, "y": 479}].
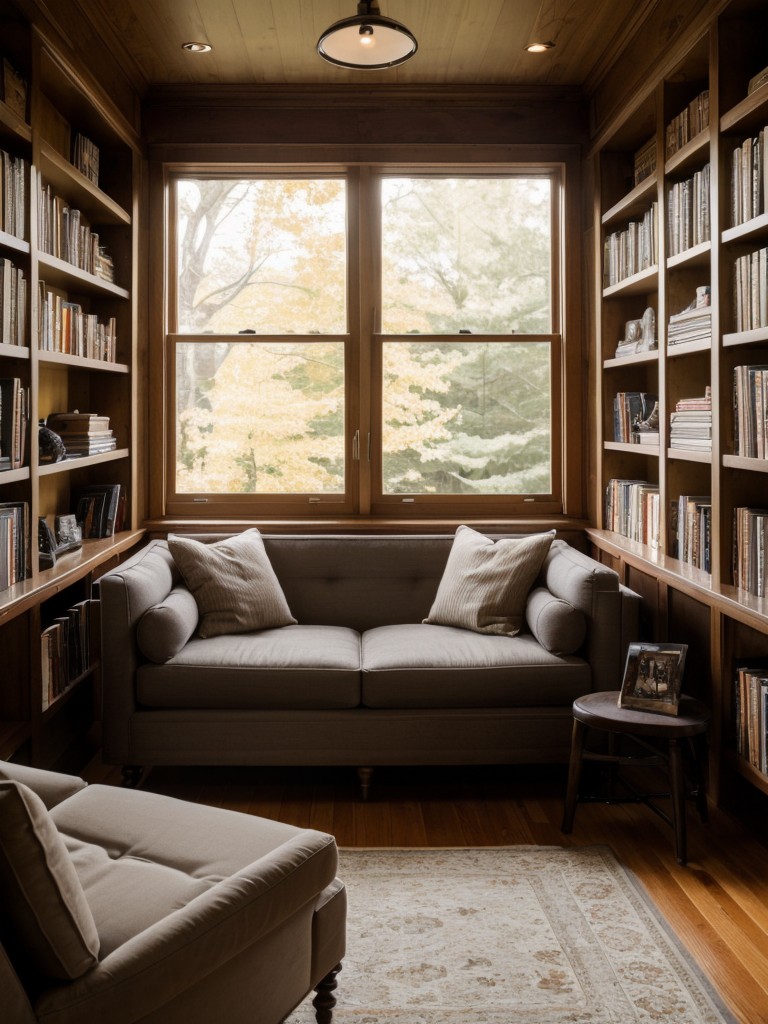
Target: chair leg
[
  {"x": 131, "y": 775},
  {"x": 677, "y": 780},
  {"x": 325, "y": 1000},
  {"x": 574, "y": 775},
  {"x": 365, "y": 775}
]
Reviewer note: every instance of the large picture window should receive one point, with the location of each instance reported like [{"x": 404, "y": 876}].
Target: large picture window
[{"x": 379, "y": 343}]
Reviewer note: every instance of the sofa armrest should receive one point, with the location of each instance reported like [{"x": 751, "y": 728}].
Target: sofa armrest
[
  {"x": 611, "y": 610},
  {"x": 51, "y": 787},
  {"x": 125, "y": 594},
  {"x": 162, "y": 962}
]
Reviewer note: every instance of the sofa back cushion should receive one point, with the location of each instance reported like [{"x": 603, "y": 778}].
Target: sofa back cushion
[{"x": 45, "y": 917}]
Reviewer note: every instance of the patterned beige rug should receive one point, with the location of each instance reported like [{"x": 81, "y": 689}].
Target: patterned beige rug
[{"x": 535, "y": 935}]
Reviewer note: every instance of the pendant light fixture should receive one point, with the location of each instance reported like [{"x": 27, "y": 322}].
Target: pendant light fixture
[{"x": 368, "y": 41}]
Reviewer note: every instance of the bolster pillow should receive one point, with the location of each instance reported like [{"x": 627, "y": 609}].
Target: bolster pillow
[
  {"x": 164, "y": 628},
  {"x": 558, "y": 626}
]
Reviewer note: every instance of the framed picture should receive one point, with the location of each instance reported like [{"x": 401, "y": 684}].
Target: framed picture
[{"x": 653, "y": 677}]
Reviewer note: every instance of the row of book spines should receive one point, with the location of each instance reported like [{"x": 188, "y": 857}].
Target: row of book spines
[
  {"x": 750, "y": 399},
  {"x": 751, "y": 716},
  {"x": 13, "y": 304},
  {"x": 14, "y": 542},
  {"x": 64, "y": 233},
  {"x": 632, "y": 249},
  {"x": 750, "y": 537},
  {"x": 66, "y": 651},
  {"x": 688, "y": 221},
  {"x": 14, "y": 412},
  {"x": 749, "y": 171},
  {"x": 692, "y": 120},
  {"x": 63, "y": 326},
  {"x": 750, "y": 290},
  {"x": 13, "y": 191},
  {"x": 632, "y": 509}
]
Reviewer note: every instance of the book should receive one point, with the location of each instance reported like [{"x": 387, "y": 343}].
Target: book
[
  {"x": 96, "y": 508},
  {"x": 76, "y": 423}
]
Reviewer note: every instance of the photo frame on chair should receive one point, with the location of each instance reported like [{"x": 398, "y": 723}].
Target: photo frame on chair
[{"x": 653, "y": 677}]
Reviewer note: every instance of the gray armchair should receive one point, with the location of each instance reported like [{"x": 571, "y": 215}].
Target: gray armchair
[{"x": 124, "y": 906}]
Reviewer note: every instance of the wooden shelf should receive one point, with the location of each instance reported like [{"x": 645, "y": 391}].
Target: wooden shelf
[
  {"x": 757, "y": 227},
  {"x": 631, "y": 360},
  {"x": 692, "y": 155},
  {"x": 80, "y": 362},
  {"x": 637, "y": 284},
  {"x": 687, "y": 455},
  {"x": 696, "y": 256},
  {"x": 69, "y": 568},
  {"x": 633, "y": 204},
  {"x": 741, "y": 462},
  {"x": 68, "y": 464},
  {"x": 73, "y": 186},
  {"x": 65, "y": 275},
  {"x": 755, "y": 337},
  {"x": 9, "y": 241}
]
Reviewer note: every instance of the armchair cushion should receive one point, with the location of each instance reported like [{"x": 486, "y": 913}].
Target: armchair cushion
[
  {"x": 233, "y": 582},
  {"x": 45, "y": 907}
]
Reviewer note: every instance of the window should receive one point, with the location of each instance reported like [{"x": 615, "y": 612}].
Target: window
[{"x": 310, "y": 371}]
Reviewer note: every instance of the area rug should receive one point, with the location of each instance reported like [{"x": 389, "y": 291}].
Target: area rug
[{"x": 536, "y": 935}]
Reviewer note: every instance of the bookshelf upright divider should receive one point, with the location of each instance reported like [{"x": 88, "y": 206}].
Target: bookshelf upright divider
[
  {"x": 703, "y": 575},
  {"x": 75, "y": 350}
]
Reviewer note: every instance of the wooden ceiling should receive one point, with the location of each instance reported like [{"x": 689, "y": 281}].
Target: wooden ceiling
[{"x": 461, "y": 42}]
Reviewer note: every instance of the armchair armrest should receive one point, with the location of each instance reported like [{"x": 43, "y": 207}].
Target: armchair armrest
[{"x": 51, "y": 787}]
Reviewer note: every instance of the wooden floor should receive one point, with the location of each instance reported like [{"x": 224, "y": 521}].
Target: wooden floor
[{"x": 717, "y": 904}]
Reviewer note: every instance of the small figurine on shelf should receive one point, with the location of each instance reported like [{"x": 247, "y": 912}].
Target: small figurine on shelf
[
  {"x": 51, "y": 447},
  {"x": 639, "y": 335}
]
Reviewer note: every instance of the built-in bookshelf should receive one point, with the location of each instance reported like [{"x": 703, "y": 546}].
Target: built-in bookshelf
[
  {"x": 70, "y": 166},
  {"x": 700, "y": 564}
]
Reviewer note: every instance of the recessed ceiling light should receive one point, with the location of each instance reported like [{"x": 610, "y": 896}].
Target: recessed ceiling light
[
  {"x": 540, "y": 47},
  {"x": 197, "y": 47}
]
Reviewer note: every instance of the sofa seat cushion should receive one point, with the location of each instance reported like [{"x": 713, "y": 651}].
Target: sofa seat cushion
[
  {"x": 142, "y": 872},
  {"x": 425, "y": 666},
  {"x": 294, "y": 667}
]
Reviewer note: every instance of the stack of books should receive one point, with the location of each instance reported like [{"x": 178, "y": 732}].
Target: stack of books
[
  {"x": 83, "y": 433},
  {"x": 690, "y": 425},
  {"x": 694, "y": 323}
]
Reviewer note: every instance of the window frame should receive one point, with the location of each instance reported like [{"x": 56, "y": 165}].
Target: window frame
[{"x": 363, "y": 344}]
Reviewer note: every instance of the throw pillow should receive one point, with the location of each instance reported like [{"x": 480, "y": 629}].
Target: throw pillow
[
  {"x": 233, "y": 583},
  {"x": 558, "y": 626},
  {"x": 43, "y": 902},
  {"x": 164, "y": 628},
  {"x": 485, "y": 583}
]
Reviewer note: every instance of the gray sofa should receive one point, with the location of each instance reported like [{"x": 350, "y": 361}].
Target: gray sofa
[{"x": 359, "y": 680}]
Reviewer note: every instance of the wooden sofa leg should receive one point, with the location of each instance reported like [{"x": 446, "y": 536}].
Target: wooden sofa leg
[
  {"x": 131, "y": 774},
  {"x": 325, "y": 1000},
  {"x": 365, "y": 775}
]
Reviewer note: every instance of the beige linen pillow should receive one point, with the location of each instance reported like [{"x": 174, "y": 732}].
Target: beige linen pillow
[
  {"x": 485, "y": 584},
  {"x": 233, "y": 582},
  {"x": 43, "y": 902}
]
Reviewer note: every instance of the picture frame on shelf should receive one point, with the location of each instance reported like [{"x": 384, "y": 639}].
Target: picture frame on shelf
[{"x": 653, "y": 676}]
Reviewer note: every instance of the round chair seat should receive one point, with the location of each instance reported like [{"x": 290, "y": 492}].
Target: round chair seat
[{"x": 602, "y": 711}]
